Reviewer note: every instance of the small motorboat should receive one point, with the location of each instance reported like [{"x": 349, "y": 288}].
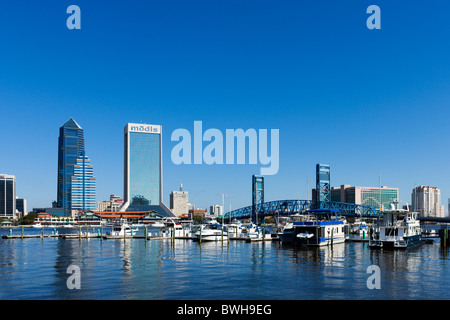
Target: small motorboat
[{"x": 305, "y": 235}]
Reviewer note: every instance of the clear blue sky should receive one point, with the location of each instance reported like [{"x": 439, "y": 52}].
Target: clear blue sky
[{"x": 361, "y": 100}]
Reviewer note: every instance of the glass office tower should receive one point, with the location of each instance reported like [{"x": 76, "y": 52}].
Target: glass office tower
[
  {"x": 83, "y": 185},
  {"x": 70, "y": 147},
  {"x": 143, "y": 169}
]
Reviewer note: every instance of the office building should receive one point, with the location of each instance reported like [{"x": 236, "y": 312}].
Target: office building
[
  {"x": 21, "y": 207},
  {"x": 426, "y": 201},
  {"x": 7, "y": 196},
  {"x": 370, "y": 196},
  {"x": 179, "y": 202},
  {"x": 83, "y": 185},
  {"x": 143, "y": 169},
  {"x": 114, "y": 204},
  {"x": 216, "y": 210},
  {"x": 70, "y": 148}
]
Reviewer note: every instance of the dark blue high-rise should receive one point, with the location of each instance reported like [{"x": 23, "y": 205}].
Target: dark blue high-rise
[{"x": 70, "y": 147}]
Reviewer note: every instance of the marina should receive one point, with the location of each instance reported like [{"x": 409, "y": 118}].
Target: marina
[
  {"x": 312, "y": 255},
  {"x": 184, "y": 269}
]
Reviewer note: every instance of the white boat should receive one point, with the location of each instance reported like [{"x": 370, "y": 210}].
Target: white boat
[
  {"x": 287, "y": 233},
  {"x": 137, "y": 225},
  {"x": 234, "y": 229},
  {"x": 322, "y": 227},
  {"x": 305, "y": 235},
  {"x": 122, "y": 229},
  {"x": 251, "y": 231},
  {"x": 211, "y": 232},
  {"x": 396, "y": 229},
  {"x": 156, "y": 224},
  {"x": 169, "y": 228},
  {"x": 37, "y": 225},
  {"x": 359, "y": 227}
]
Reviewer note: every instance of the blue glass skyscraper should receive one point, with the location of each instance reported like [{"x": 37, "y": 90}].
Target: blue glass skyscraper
[
  {"x": 143, "y": 169},
  {"x": 83, "y": 185},
  {"x": 70, "y": 147}
]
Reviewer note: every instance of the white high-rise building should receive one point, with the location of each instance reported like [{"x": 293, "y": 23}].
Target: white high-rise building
[
  {"x": 216, "y": 210},
  {"x": 179, "y": 202},
  {"x": 426, "y": 201}
]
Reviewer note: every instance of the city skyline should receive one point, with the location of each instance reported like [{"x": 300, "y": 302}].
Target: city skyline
[{"x": 363, "y": 101}]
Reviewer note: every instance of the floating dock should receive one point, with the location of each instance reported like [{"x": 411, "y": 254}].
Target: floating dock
[
  {"x": 30, "y": 236},
  {"x": 77, "y": 236},
  {"x": 357, "y": 240}
]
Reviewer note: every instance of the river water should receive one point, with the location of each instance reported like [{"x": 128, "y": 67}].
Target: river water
[{"x": 182, "y": 269}]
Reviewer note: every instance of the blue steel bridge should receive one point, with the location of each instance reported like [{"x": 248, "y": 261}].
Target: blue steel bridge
[
  {"x": 291, "y": 207},
  {"x": 261, "y": 209}
]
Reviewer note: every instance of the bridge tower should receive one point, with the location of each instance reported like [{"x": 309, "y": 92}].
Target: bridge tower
[
  {"x": 257, "y": 196},
  {"x": 323, "y": 187}
]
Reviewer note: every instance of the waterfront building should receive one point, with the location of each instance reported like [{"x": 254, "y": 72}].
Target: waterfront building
[
  {"x": 143, "y": 169},
  {"x": 369, "y": 196},
  {"x": 70, "y": 148},
  {"x": 83, "y": 185},
  {"x": 198, "y": 212},
  {"x": 426, "y": 201},
  {"x": 104, "y": 206},
  {"x": 7, "y": 196},
  {"x": 179, "y": 202}
]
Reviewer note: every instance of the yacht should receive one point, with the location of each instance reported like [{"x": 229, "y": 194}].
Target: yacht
[
  {"x": 396, "y": 229},
  {"x": 37, "y": 225},
  {"x": 172, "y": 228},
  {"x": 251, "y": 231},
  {"x": 234, "y": 229},
  {"x": 211, "y": 232},
  {"x": 122, "y": 229},
  {"x": 323, "y": 227}
]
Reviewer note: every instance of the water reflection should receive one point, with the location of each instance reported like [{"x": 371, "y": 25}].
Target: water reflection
[{"x": 183, "y": 269}]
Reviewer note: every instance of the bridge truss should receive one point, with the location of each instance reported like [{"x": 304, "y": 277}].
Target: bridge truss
[{"x": 291, "y": 207}]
